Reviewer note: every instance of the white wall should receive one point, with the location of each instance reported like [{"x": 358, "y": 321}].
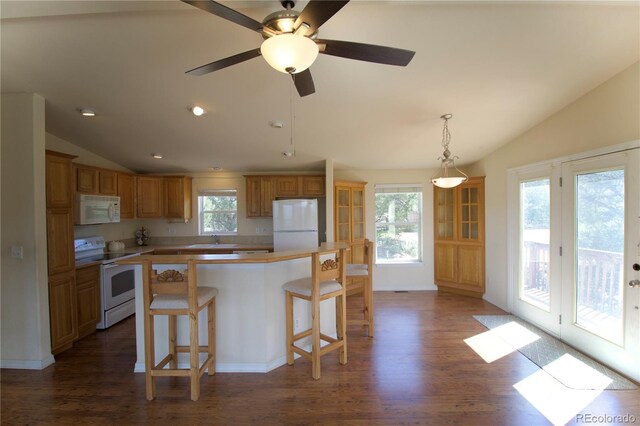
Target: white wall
[
  {"x": 25, "y": 341},
  {"x": 417, "y": 276},
  {"x": 608, "y": 115}
]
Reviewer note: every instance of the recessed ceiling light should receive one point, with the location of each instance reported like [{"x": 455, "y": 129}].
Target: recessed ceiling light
[
  {"x": 198, "y": 110},
  {"x": 157, "y": 156},
  {"x": 87, "y": 112},
  {"x": 276, "y": 124},
  {"x": 216, "y": 168}
]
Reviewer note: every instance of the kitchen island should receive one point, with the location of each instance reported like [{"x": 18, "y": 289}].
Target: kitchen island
[{"x": 250, "y": 309}]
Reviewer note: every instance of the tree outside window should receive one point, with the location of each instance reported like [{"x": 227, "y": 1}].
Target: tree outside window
[
  {"x": 218, "y": 212},
  {"x": 398, "y": 224}
]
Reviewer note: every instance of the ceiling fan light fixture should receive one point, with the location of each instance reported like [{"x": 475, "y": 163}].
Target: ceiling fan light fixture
[
  {"x": 289, "y": 53},
  {"x": 448, "y": 175}
]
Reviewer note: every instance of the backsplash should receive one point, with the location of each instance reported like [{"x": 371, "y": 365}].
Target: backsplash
[{"x": 222, "y": 239}]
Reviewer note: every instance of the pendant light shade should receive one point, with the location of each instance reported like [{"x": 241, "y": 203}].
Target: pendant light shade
[
  {"x": 289, "y": 53},
  {"x": 448, "y": 175}
]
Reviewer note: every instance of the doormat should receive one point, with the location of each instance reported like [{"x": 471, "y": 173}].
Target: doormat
[{"x": 565, "y": 364}]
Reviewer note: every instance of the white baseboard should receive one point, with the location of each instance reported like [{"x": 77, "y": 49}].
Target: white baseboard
[{"x": 20, "y": 364}]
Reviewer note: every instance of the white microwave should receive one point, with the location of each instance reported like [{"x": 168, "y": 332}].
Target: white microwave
[{"x": 92, "y": 209}]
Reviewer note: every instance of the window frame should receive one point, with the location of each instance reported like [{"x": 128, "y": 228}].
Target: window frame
[
  {"x": 402, "y": 189},
  {"x": 201, "y": 212}
]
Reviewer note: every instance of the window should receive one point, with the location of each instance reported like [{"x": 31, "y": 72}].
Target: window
[
  {"x": 218, "y": 212},
  {"x": 398, "y": 223}
]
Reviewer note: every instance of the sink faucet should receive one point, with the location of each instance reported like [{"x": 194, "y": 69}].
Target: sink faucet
[{"x": 215, "y": 239}]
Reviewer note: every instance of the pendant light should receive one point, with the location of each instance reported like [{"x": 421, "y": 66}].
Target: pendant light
[{"x": 448, "y": 175}]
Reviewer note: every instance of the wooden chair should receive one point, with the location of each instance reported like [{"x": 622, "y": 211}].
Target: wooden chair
[
  {"x": 173, "y": 293},
  {"x": 326, "y": 282},
  {"x": 360, "y": 281}
]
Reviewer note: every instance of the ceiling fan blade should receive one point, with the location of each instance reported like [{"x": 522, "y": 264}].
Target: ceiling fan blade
[
  {"x": 226, "y": 62},
  {"x": 317, "y": 12},
  {"x": 226, "y": 13},
  {"x": 366, "y": 52},
  {"x": 304, "y": 83}
]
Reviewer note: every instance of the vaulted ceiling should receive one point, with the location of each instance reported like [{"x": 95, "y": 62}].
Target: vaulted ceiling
[{"x": 499, "y": 67}]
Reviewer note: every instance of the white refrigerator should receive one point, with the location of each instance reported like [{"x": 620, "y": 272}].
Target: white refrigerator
[{"x": 295, "y": 224}]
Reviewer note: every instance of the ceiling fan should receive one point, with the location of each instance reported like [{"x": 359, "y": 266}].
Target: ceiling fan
[{"x": 291, "y": 44}]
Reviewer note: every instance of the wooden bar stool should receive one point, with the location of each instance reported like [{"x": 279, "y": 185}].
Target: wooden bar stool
[
  {"x": 326, "y": 282},
  {"x": 360, "y": 281},
  {"x": 173, "y": 293}
]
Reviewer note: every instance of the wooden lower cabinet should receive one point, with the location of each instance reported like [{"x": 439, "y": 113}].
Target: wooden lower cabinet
[
  {"x": 88, "y": 299},
  {"x": 62, "y": 311},
  {"x": 446, "y": 262}
]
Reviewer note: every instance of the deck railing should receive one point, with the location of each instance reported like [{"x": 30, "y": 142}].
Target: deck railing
[{"x": 599, "y": 277}]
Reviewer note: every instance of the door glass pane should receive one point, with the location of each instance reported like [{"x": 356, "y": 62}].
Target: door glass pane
[
  {"x": 535, "y": 215},
  {"x": 599, "y": 227}
]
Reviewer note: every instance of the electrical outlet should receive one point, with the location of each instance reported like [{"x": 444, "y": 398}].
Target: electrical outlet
[{"x": 296, "y": 324}]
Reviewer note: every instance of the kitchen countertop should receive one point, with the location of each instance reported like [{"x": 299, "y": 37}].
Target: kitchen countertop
[
  {"x": 142, "y": 250},
  {"x": 233, "y": 258}
]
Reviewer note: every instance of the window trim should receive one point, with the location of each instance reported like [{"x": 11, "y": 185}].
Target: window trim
[
  {"x": 201, "y": 212},
  {"x": 401, "y": 188}
]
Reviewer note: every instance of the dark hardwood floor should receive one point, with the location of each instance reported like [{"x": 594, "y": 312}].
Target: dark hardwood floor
[{"x": 417, "y": 369}]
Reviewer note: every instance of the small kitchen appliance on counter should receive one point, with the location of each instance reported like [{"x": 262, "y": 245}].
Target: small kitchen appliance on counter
[{"x": 117, "y": 282}]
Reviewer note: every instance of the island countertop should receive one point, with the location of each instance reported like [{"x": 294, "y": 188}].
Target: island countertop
[{"x": 245, "y": 258}]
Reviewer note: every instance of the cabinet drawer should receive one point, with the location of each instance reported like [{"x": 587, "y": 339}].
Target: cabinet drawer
[{"x": 89, "y": 273}]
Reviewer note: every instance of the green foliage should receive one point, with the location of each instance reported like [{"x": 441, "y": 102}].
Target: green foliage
[
  {"x": 219, "y": 213},
  {"x": 398, "y": 225}
]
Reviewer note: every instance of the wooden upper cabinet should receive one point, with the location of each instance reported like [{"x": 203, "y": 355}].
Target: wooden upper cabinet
[
  {"x": 287, "y": 186},
  {"x": 313, "y": 186},
  {"x": 267, "y": 195},
  {"x": 149, "y": 196},
  {"x": 86, "y": 179},
  {"x": 177, "y": 197},
  {"x": 59, "y": 180},
  {"x": 254, "y": 196},
  {"x": 127, "y": 194},
  {"x": 107, "y": 182},
  {"x": 94, "y": 180}
]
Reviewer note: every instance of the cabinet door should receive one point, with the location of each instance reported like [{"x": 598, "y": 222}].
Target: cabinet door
[
  {"x": 127, "y": 194},
  {"x": 254, "y": 196},
  {"x": 471, "y": 266},
  {"x": 60, "y": 251},
  {"x": 59, "y": 181},
  {"x": 62, "y": 310},
  {"x": 358, "y": 219},
  {"x": 445, "y": 266},
  {"x": 342, "y": 214},
  {"x": 444, "y": 213},
  {"x": 86, "y": 179},
  {"x": 287, "y": 186},
  {"x": 88, "y": 299},
  {"x": 174, "y": 197},
  {"x": 107, "y": 182},
  {"x": 149, "y": 190},
  {"x": 471, "y": 211},
  {"x": 267, "y": 195},
  {"x": 313, "y": 186}
]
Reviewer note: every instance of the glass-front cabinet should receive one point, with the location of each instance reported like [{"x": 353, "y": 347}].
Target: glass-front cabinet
[
  {"x": 459, "y": 249},
  {"x": 349, "y": 214}
]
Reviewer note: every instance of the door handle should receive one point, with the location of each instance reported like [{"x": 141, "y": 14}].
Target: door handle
[{"x": 634, "y": 283}]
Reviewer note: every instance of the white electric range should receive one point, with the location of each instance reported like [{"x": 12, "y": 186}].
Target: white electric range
[{"x": 117, "y": 282}]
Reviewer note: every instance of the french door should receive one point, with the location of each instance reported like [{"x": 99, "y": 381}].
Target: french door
[
  {"x": 574, "y": 241},
  {"x": 601, "y": 244}
]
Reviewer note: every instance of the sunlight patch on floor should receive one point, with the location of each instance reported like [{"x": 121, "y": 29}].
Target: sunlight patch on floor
[
  {"x": 558, "y": 403},
  {"x": 574, "y": 373},
  {"x": 501, "y": 341}
]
